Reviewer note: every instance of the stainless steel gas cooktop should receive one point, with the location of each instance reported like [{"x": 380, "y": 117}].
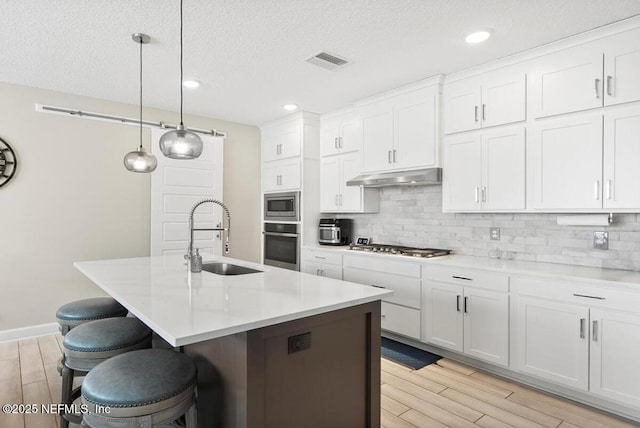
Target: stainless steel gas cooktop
[{"x": 400, "y": 250}]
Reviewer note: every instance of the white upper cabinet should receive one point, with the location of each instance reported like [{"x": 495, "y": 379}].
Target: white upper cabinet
[
  {"x": 494, "y": 98},
  {"x": 401, "y": 132},
  {"x": 335, "y": 195},
  {"x": 592, "y": 75},
  {"x": 282, "y": 141},
  {"x": 568, "y": 163},
  {"x": 281, "y": 175},
  {"x": 485, "y": 171},
  {"x": 340, "y": 134},
  {"x": 622, "y": 158}
]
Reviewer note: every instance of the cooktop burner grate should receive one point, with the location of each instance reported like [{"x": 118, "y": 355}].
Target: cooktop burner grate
[{"x": 400, "y": 250}]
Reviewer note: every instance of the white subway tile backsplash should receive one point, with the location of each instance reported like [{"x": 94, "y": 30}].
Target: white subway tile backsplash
[{"x": 413, "y": 216}]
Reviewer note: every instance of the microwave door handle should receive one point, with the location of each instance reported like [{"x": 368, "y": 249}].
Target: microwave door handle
[{"x": 285, "y": 235}]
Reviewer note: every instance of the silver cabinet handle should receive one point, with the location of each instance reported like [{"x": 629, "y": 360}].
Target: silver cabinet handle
[
  {"x": 336, "y": 202},
  {"x": 466, "y": 299},
  {"x": 475, "y": 195},
  {"x": 321, "y": 272},
  {"x": 394, "y": 156},
  {"x": 596, "y": 190},
  {"x": 383, "y": 316},
  {"x": 484, "y": 194},
  {"x": 317, "y": 272},
  {"x": 277, "y": 180},
  {"x": 340, "y": 199},
  {"x": 339, "y": 142},
  {"x": 484, "y": 107},
  {"x": 608, "y": 189},
  {"x": 610, "y": 85},
  {"x": 335, "y": 143},
  {"x": 594, "y": 332},
  {"x": 596, "y": 87},
  {"x": 378, "y": 286},
  {"x": 458, "y": 303},
  {"x": 320, "y": 257},
  {"x": 475, "y": 113},
  {"x": 461, "y": 277},
  {"x": 389, "y": 156},
  {"x": 582, "y": 321}
]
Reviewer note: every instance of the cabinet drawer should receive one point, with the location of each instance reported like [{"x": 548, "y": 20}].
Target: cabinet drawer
[
  {"x": 467, "y": 277},
  {"x": 577, "y": 293},
  {"x": 401, "y": 320},
  {"x": 324, "y": 257},
  {"x": 381, "y": 264},
  {"x": 407, "y": 290}
]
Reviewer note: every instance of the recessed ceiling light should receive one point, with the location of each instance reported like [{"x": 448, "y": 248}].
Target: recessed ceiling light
[
  {"x": 290, "y": 107},
  {"x": 478, "y": 36},
  {"x": 191, "y": 84}
]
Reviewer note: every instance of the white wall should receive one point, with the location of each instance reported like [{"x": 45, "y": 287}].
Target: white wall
[
  {"x": 413, "y": 216},
  {"x": 72, "y": 199}
]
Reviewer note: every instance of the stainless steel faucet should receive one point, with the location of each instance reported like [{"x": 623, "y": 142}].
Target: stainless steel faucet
[{"x": 190, "y": 256}]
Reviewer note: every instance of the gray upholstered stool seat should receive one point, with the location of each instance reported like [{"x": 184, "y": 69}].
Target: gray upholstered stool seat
[
  {"x": 93, "y": 342},
  {"x": 80, "y": 311},
  {"x": 146, "y": 388}
]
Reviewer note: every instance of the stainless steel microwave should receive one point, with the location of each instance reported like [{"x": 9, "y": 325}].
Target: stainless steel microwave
[{"x": 282, "y": 206}]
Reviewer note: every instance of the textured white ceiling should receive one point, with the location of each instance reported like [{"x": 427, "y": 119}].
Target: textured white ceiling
[{"x": 250, "y": 54}]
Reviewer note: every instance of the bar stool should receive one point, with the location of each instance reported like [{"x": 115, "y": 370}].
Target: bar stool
[
  {"x": 145, "y": 388},
  {"x": 80, "y": 311},
  {"x": 91, "y": 343}
]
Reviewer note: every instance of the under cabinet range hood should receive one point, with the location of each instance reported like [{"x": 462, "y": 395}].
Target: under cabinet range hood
[{"x": 418, "y": 177}]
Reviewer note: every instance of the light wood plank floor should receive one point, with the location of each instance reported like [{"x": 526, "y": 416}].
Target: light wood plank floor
[{"x": 446, "y": 394}]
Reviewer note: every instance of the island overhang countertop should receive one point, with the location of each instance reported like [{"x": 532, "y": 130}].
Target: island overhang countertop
[{"x": 185, "y": 308}]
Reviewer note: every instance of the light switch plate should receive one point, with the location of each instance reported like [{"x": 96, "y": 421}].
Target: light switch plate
[
  {"x": 601, "y": 240},
  {"x": 494, "y": 233}
]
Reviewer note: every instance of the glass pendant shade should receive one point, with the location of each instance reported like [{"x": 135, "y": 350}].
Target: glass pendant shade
[
  {"x": 140, "y": 161},
  {"x": 181, "y": 144}
]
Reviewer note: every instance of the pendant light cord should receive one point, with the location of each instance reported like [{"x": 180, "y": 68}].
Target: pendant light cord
[
  {"x": 181, "y": 77},
  {"x": 141, "y": 93}
]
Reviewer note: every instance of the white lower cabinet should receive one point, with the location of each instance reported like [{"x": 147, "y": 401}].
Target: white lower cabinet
[
  {"x": 400, "y": 312},
  {"x": 579, "y": 335},
  {"x": 467, "y": 311},
  {"x": 327, "y": 263},
  {"x": 552, "y": 341}
]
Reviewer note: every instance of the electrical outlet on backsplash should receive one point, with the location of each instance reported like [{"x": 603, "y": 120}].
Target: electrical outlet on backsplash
[{"x": 413, "y": 216}]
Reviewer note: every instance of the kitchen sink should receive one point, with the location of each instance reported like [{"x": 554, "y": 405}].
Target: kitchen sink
[{"x": 220, "y": 268}]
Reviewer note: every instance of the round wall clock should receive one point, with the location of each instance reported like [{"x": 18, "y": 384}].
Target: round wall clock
[{"x": 8, "y": 162}]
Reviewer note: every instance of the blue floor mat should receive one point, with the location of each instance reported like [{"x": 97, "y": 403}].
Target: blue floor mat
[{"x": 407, "y": 355}]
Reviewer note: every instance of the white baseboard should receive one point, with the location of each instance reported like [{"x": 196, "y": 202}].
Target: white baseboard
[{"x": 28, "y": 332}]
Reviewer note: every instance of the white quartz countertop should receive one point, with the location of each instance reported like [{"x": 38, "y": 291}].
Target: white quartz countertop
[
  {"x": 185, "y": 308},
  {"x": 615, "y": 277}
]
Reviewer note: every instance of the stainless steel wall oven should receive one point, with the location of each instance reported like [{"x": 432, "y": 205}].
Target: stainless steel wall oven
[{"x": 282, "y": 245}]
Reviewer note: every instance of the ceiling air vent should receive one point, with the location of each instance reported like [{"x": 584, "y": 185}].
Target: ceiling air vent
[{"x": 328, "y": 61}]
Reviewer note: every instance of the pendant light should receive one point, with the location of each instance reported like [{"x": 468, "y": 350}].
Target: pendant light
[
  {"x": 181, "y": 143},
  {"x": 140, "y": 160}
]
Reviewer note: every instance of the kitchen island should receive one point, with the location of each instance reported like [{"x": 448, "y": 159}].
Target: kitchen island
[{"x": 275, "y": 348}]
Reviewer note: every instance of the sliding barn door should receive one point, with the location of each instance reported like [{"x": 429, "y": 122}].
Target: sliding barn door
[{"x": 176, "y": 185}]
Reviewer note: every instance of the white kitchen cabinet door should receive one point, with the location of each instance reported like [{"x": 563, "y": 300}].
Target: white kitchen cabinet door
[
  {"x": 400, "y": 320},
  {"x": 503, "y": 98},
  {"x": 462, "y": 173},
  {"x": 320, "y": 269},
  {"x": 281, "y": 142},
  {"x": 568, "y": 81},
  {"x": 552, "y": 341},
  {"x": 330, "y": 183},
  {"x": 486, "y": 325},
  {"x": 461, "y": 106},
  {"x": 351, "y": 197},
  {"x": 503, "y": 169},
  {"x": 340, "y": 134},
  {"x": 567, "y": 165},
  {"x": 622, "y": 158},
  {"x": 281, "y": 175},
  {"x": 615, "y": 353},
  {"x": 377, "y": 136},
  {"x": 622, "y": 68},
  {"x": 416, "y": 129},
  {"x": 442, "y": 315}
]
